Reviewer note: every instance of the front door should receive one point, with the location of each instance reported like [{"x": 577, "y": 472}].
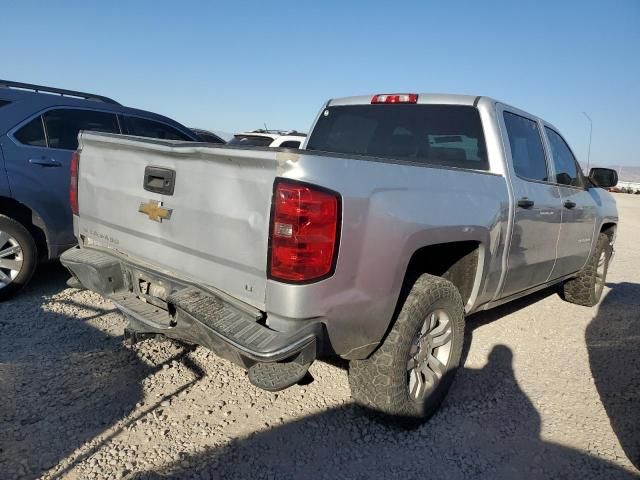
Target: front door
[
  {"x": 537, "y": 214},
  {"x": 579, "y": 208}
]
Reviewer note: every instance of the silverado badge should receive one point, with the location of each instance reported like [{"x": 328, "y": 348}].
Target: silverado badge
[{"x": 155, "y": 211}]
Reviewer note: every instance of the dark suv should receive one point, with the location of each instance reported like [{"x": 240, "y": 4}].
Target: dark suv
[{"x": 38, "y": 133}]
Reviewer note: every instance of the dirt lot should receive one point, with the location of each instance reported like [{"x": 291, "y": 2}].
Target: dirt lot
[{"x": 548, "y": 390}]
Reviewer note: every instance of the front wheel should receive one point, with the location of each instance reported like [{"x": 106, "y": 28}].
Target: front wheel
[
  {"x": 586, "y": 289},
  {"x": 409, "y": 375},
  {"x": 18, "y": 257}
]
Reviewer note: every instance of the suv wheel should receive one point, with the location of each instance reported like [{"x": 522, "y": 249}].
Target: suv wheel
[
  {"x": 410, "y": 374},
  {"x": 586, "y": 289},
  {"x": 18, "y": 257}
]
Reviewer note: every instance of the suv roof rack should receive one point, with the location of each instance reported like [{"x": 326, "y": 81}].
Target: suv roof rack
[
  {"x": 56, "y": 91},
  {"x": 278, "y": 132}
]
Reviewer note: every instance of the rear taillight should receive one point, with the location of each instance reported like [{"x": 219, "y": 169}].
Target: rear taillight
[
  {"x": 73, "y": 185},
  {"x": 305, "y": 226},
  {"x": 395, "y": 98}
]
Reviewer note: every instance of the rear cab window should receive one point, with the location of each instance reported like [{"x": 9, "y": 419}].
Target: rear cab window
[{"x": 448, "y": 135}]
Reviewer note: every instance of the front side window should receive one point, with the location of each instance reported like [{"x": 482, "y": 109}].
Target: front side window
[
  {"x": 527, "y": 151},
  {"x": 64, "y": 124},
  {"x": 143, "y": 127},
  {"x": 566, "y": 167},
  {"x": 32, "y": 133},
  {"x": 449, "y": 135}
]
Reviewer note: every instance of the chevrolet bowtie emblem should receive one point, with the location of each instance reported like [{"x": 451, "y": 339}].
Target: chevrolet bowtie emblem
[{"x": 155, "y": 211}]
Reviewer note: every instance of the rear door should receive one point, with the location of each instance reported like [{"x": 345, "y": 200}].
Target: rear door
[
  {"x": 537, "y": 215},
  {"x": 579, "y": 208},
  {"x": 39, "y": 159}
]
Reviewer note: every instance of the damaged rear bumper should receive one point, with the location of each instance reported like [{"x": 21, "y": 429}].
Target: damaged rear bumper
[{"x": 187, "y": 312}]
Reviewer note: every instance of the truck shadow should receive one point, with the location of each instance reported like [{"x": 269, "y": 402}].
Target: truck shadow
[
  {"x": 62, "y": 381},
  {"x": 613, "y": 343},
  {"x": 501, "y": 440}
]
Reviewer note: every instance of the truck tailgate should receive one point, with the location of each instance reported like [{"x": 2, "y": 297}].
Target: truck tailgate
[{"x": 216, "y": 233}]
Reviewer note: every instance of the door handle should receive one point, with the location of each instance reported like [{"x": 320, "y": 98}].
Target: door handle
[
  {"x": 569, "y": 204},
  {"x": 45, "y": 162},
  {"x": 525, "y": 203}
]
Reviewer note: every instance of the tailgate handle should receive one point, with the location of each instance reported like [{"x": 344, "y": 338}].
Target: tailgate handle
[{"x": 159, "y": 180}]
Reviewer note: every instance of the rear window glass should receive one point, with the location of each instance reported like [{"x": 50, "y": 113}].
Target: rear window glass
[
  {"x": 449, "y": 135},
  {"x": 63, "y": 125},
  {"x": 32, "y": 133},
  {"x": 250, "y": 141}
]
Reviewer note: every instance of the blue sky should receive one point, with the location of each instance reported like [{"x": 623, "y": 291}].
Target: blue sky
[{"x": 236, "y": 65}]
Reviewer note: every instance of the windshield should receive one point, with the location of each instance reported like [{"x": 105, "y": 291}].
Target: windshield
[
  {"x": 448, "y": 135},
  {"x": 250, "y": 141}
]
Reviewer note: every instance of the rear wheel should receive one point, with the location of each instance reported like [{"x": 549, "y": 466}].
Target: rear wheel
[
  {"x": 409, "y": 375},
  {"x": 586, "y": 289},
  {"x": 18, "y": 257}
]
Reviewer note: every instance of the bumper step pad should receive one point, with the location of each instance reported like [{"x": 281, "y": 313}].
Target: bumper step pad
[{"x": 234, "y": 325}]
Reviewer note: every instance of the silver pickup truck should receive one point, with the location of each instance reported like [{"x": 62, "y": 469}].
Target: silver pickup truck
[{"x": 401, "y": 214}]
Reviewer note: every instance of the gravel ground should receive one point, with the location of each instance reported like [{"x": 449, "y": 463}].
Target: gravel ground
[{"x": 548, "y": 390}]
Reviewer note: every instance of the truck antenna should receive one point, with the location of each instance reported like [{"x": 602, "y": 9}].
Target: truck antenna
[{"x": 589, "y": 150}]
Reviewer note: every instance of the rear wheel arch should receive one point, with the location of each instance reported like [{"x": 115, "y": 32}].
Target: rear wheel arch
[
  {"x": 458, "y": 262},
  {"x": 609, "y": 228},
  {"x": 30, "y": 219}
]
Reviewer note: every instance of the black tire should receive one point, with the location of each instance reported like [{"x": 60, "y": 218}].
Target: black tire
[
  {"x": 28, "y": 255},
  {"x": 586, "y": 288},
  {"x": 380, "y": 383}
]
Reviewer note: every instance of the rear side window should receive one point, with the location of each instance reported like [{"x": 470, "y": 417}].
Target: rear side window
[
  {"x": 566, "y": 167},
  {"x": 526, "y": 147},
  {"x": 143, "y": 127},
  {"x": 449, "y": 135},
  {"x": 32, "y": 133},
  {"x": 63, "y": 125},
  {"x": 250, "y": 141}
]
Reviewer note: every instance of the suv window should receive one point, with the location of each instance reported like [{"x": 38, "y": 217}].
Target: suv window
[
  {"x": 250, "y": 141},
  {"x": 32, "y": 133},
  {"x": 143, "y": 127},
  {"x": 526, "y": 147},
  {"x": 566, "y": 167},
  {"x": 209, "y": 138},
  {"x": 290, "y": 144},
  {"x": 449, "y": 135},
  {"x": 64, "y": 124}
]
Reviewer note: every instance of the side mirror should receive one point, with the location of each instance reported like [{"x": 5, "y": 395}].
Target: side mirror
[{"x": 603, "y": 177}]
